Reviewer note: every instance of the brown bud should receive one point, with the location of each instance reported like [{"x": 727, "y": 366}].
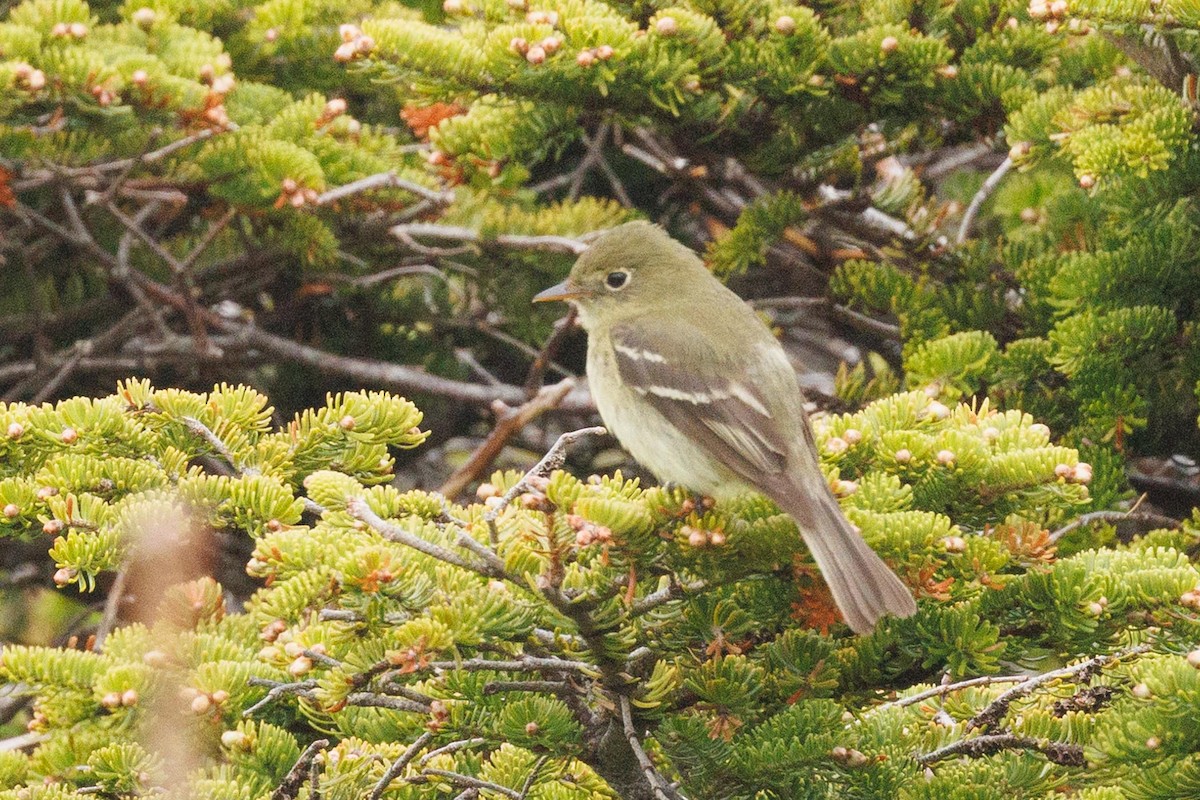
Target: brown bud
[
  {"x": 1020, "y": 150},
  {"x": 666, "y": 26},
  {"x": 585, "y": 58},
  {"x": 954, "y": 544},
  {"x": 453, "y": 6},
  {"x": 889, "y": 44},
  {"x": 129, "y": 698},
  {"x": 349, "y": 32},
  {"x": 12, "y": 511},
  {"x": 144, "y": 18},
  {"x": 903, "y": 455},
  {"x": 1193, "y": 659},
  {"x": 53, "y": 528},
  {"x": 604, "y": 52},
  {"x": 235, "y": 740},
  {"x": 69, "y": 436},
  {"x": 531, "y": 728},
  {"x": 15, "y": 430},
  {"x": 64, "y": 576},
  {"x": 535, "y": 55},
  {"x": 785, "y": 25},
  {"x": 155, "y": 658},
  {"x": 201, "y": 703}
]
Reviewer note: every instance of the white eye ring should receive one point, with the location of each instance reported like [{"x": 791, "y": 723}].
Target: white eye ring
[{"x": 616, "y": 280}]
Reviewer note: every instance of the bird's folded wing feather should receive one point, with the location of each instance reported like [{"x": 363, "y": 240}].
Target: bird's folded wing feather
[{"x": 732, "y": 410}]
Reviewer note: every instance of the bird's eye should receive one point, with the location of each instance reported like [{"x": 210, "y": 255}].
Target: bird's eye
[{"x": 616, "y": 280}]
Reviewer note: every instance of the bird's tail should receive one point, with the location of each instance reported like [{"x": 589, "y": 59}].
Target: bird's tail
[{"x": 863, "y": 586}]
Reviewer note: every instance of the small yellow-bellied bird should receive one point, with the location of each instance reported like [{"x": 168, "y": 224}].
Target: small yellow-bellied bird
[{"x": 699, "y": 391}]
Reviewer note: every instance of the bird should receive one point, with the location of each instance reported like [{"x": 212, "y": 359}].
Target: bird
[{"x": 697, "y": 389}]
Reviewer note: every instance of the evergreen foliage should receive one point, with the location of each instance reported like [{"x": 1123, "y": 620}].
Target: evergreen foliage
[
  {"x": 387, "y": 178},
  {"x": 501, "y": 641}
]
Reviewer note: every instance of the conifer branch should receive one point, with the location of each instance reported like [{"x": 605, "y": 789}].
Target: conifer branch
[{"x": 555, "y": 457}]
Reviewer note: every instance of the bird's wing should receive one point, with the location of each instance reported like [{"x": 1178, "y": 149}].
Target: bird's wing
[{"x": 737, "y": 411}]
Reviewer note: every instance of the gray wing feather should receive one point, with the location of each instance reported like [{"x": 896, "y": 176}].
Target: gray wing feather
[{"x": 720, "y": 405}]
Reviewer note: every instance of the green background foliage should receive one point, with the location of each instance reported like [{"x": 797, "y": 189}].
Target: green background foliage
[{"x": 179, "y": 178}]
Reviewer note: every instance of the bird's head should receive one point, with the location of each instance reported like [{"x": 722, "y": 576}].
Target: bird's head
[{"x": 633, "y": 269}]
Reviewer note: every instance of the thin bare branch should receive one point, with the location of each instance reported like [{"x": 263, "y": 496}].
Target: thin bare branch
[
  {"x": 399, "y": 764},
  {"x": 996, "y": 710},
  {"x": 386, "y": 180},
  {"x": 945, "y": 689},
  {"x": 289, "y": 788},
  {"x": 509, "y": 422},
  {"x": 1064, "y": 753},
  {"x": 388, "y": 375},
  {"x": 1144, "y": 518},
  {"x": 985, "y": 191},
  {"x": 662, "y": 789},
  {"x": 359, "y": 509}
]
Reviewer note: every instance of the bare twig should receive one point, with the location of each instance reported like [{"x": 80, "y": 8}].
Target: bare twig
[
  {"x": 450, "y": 233},
  {"x": 289, "y": 788},
  {"x": 453, "y": 747},
  {"x": 389, "y": 180},
  {"x": 399, "y": 764},
  {"x": 388, "y": 375},
  {"x": 985, "y": 191},
  {"x": 509, "y": 422},
  {"x": 545, "y": 357},
  {"x": 359, "y": 509},
  {"x": 662, "y": 789},
  {"x": 112, "y": 606},
  {"x": 549, "y": 687},
  {"x": 1064, "y": 753},
  {"x": 555, "y": 457},
  {"x": 459, "y": 779},
  {"x": 373, "y": 700},
  {"x": 942, "y": 691},
  {"x": 1151, "y": 521},
  {"x": 278, "y": 690},
  {"x": 996, "y": 710}
]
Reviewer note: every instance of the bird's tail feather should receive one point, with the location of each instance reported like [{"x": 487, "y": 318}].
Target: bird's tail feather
[{"x": 863, "y": 586}]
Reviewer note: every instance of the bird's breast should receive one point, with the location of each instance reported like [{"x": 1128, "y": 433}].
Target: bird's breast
[{"x": 649, "y": 436}]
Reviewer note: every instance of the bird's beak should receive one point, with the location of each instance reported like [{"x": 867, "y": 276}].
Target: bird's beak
[{"x": 559, "y": 291}]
